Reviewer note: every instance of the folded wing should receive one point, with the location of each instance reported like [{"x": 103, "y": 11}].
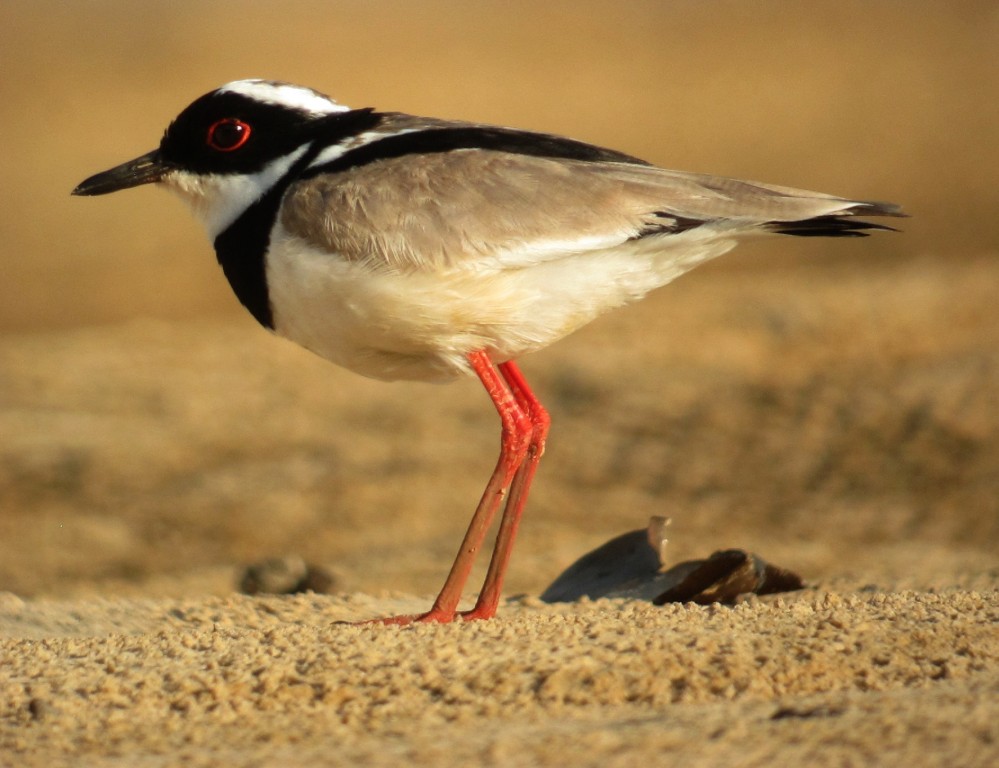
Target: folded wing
[{"x": 482, "y": 208}]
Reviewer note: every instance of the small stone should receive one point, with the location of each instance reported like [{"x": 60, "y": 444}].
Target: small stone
[{"x": 285, "y": 576}]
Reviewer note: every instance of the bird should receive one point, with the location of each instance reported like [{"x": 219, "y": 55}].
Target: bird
[{"x": 413, "y": 248}]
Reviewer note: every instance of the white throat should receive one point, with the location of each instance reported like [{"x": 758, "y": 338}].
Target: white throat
[{"x": 219, "y": 199}]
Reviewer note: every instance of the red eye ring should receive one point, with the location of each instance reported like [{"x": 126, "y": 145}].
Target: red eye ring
[{"x": 228, "y": 134}]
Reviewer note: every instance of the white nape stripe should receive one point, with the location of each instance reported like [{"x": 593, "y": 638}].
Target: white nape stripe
[
  {"x": 219, "y": 199},
  {"x": 285, "y": 95},
  {"x": 336, "y": 151}
]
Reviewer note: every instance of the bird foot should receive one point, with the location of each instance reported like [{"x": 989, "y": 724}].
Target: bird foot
[
  {"x": 433, "y": 616},
  {"x": 430, "y": 617},
  {"x": 478, "y": 614}
]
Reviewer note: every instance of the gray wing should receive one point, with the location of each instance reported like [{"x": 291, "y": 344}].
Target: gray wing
[{"x": 452, "y": 209}]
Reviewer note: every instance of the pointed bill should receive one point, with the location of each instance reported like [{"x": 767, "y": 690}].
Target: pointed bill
[{"x": 142, "y": 170}]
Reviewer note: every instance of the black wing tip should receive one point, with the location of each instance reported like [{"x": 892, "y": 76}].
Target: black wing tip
[
  {"x": 841, "y": 224},
  {"x": 827, "y": 226}
]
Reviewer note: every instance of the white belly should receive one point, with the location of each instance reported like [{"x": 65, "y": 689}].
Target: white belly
[{"x": 420, "y": 325}]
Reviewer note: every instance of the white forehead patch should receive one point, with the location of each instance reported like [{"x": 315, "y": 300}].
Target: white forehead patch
[{"x": 285, "y": 95}]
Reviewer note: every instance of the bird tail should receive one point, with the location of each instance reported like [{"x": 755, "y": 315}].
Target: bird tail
[{"x": 840, "y": 224}]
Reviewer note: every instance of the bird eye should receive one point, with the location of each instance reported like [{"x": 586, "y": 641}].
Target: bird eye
[{"x": 228, "y": 134}]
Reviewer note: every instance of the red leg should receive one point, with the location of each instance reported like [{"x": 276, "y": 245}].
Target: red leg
[
  {"x": 517, "y": 437},
  {"x": 489, "y": 596}
]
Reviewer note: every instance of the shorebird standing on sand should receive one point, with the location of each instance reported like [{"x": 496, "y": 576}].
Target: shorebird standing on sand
[{"x": 406, "y": 247}]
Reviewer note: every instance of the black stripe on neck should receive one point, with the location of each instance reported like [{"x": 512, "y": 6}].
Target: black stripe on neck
[
  {"x": 434, "y": 140},
  {"x": 241, "y": 247}
]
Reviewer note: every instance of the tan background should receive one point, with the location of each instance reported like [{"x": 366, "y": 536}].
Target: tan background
[
  {"x": 863, "y": 99},
  {"x": 829, "y": 404},
  {"x": 791, "y": 379}
]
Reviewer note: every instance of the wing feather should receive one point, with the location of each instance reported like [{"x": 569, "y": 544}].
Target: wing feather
[{"x": 483, "y": 208}]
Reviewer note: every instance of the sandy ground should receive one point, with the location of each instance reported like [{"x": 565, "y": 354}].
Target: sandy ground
[
  {"x": 868, "y": 678},
  {"x": 831, "y": 406},
  {"x": 143, "y": 464}
]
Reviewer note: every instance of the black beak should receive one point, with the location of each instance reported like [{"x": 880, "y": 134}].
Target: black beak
[{"x": 142, "y": 170}]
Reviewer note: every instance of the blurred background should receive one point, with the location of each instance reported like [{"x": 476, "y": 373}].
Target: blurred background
[
  {"x": 869, "y": 100},
  {"x": 812, "y": 397}
]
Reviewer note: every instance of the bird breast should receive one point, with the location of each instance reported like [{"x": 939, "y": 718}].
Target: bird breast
[{"x": 421, "y": 324}]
